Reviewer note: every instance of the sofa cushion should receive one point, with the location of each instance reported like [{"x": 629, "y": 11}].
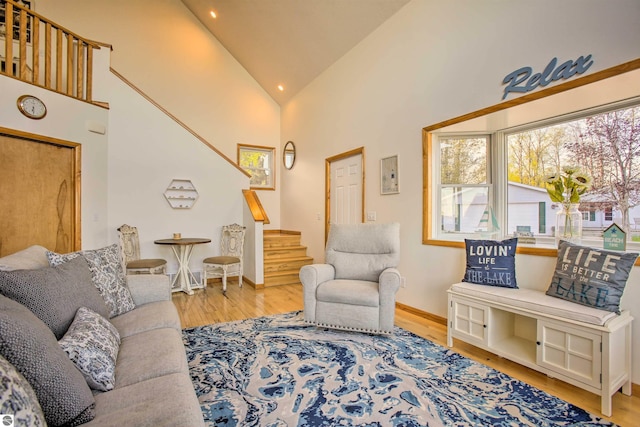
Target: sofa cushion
[
  {"x": 17, "y": 398},
  {"x": 491, "y": 262},
  {"x": 353, "y": 292},
  {"x": 107, "y": 274},
  {"x": 537, "y": 301},
  {"x": 150, "y": 354},
  {"x": 155, "y": 315},
  {"x": 92, "y": 344},
  {"x": 591, "y": 276},
  {"x": 54, "y": 294},
  {"x": 26, "y": 259},
  {"x": 163, "y": 401},
  {"x": 29, "y": 345}
]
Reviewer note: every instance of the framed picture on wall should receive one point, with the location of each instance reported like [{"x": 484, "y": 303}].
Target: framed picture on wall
[
  {"x": 29, "y": 4},
  {"x": 389, "y": 183}
]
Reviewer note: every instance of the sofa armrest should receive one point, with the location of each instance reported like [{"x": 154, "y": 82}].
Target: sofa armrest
[
  {"x": 147, "y": 288},
  {"x": 310, "y": 277},
  {"x": 389, "y": 282},
  {"x": 388, "y": 285}
]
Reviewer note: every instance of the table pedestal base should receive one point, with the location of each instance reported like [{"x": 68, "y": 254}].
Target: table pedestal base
[{"x": 184, "y": 278}]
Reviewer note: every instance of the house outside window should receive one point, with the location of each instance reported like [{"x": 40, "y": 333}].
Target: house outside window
[
  {"x": 493, "y": 186},
  {"x": 258, "y": 161}
]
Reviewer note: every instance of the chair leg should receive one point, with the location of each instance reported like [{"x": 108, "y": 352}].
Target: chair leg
[
  {"x": 224, "y": 280},
  {"x": 240, "y": 280}
]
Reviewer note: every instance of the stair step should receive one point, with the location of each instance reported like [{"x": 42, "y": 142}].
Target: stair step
[
  {"x": 284, "y": 252},
  {"x": 274, "y": 240},
  {"x": 286, "y": 264},
  {"x": 282, "y": 278},
  {"x": 283, "y": 257}
]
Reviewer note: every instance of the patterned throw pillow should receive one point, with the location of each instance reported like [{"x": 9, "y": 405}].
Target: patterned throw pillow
[
  {"x": 107, "y": 274},
  {"x": 30, "y": 346},
  {"x": 17, "y": 398},
  {"x": 590, "y": 276},
  {"x": 491, "y": 262},
  {"x": 92, "y": 344},
  {"x": 54, "y": 294}
]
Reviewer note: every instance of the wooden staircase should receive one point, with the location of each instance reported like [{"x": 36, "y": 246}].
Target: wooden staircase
[{"x": 283, "y": 257}]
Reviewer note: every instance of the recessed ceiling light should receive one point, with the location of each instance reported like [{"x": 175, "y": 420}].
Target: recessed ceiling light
[
  {"x": 281, "y": 88},
  {"x": 213, "y": 14}
]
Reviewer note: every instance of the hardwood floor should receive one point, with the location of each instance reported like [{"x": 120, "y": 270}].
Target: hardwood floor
[{"x": 209, "y": 305}]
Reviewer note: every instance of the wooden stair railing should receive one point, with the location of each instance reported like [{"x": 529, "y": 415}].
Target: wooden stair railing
[
  {"x": 68, "y": 58},
  {"x": 257, "y": 211}
]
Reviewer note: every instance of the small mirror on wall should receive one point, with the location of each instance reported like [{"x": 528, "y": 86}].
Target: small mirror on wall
[{"x": 289, "y": 154}]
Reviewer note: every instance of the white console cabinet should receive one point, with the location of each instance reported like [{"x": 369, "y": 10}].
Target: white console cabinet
[{"x": 594, "y": 357}]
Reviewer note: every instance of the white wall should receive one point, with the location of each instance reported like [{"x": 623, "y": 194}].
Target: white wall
[
  {"x": 147, "y": 150},
  {"x": 432, "y": 61},
  {"x": 165, "y": 51}
]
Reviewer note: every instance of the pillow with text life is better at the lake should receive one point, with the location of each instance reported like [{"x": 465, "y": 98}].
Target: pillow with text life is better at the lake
[
  {"x": 591, "y": 276},
  {"x": 491, "y": 262}
]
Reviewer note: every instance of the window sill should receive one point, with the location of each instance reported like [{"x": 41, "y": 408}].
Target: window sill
[{"x": 522, "y": 249}]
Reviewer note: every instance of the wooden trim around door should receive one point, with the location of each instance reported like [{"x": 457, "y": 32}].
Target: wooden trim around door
[{"x": 327, "y": 185}]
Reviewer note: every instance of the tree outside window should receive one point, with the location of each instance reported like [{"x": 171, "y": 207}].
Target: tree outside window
[
  {"x": 259, "y": 163},
  {"x": 606, "y": 146}
]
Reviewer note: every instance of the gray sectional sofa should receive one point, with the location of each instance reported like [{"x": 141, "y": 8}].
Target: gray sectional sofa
[{"x": 152, "y": 386}]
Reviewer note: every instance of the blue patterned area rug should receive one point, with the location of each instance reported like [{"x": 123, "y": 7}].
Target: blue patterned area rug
[{"x": 278, "y": 371}]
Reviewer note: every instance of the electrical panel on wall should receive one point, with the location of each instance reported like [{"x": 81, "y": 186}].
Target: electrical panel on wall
[{"x": 181, "y": 194}]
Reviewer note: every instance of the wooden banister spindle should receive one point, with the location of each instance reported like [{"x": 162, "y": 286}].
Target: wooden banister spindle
[
  {"x": 59, "y": 60},
  {"x": 47, "y": 55},
  {"x": 80, "y": 69},
  {"x": 22, "y": 41},
  {"x": 70, "y": 64},
  {"x": 89, "y": 97},
  {"x": 35, "y": 49},
  {"x": 8, "y": 46}
]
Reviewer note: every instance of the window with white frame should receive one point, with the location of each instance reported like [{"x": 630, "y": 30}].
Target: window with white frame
[
  {"x": 259, "y": 163},
  {"x": 464, "y": 189},
  {"x": 494, "y": 186}
]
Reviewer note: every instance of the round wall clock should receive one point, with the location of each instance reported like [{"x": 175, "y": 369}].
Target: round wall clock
[{"x": 32, "y": 107}]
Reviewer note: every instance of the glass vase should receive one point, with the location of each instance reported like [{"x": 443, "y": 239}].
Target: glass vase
[{"x": 569, "y": 223}]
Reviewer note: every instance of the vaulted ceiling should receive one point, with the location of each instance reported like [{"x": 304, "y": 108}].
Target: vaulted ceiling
[{"x": 290, "y": 42}]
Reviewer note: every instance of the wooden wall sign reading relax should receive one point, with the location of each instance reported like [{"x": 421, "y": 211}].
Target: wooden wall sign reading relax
[{"x": 522, "y": 79}]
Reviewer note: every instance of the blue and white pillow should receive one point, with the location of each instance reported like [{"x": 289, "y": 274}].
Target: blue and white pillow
[
  {"x": 92, "y": 344},
  {"x": 17, "y": 398},
  {"x": 591, "y": 276},
  {"x": 491, "y": 262},
  {"x": 107, "y": 274}
]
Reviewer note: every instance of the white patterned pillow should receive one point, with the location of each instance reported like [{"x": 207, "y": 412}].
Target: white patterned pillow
[
  {"x": 17, "y": 398},
  {"x": 92, "y": 344},
  {"x": 107, "y": 274}
]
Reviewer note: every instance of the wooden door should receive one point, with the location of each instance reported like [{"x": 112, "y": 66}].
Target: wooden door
[{"x": 39, "y": 193}]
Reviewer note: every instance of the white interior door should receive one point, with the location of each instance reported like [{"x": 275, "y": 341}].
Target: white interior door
[{"x": 346, "y": 190}]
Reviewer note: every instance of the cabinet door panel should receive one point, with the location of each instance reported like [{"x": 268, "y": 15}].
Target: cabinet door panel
[
  {"x": 571, "y": 352},
  {"x": 470, "y": 321}
]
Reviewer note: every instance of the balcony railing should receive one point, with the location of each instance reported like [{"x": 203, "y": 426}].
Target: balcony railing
[{"x": 37, "y": 51}]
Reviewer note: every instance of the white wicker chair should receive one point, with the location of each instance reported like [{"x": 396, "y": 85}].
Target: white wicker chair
[
  {"x": 229, "y": 263},
  {"x": 130, "y": 247}
]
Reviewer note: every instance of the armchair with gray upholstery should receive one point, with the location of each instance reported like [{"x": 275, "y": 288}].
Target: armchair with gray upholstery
[{"x": 356, "y": 287}]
